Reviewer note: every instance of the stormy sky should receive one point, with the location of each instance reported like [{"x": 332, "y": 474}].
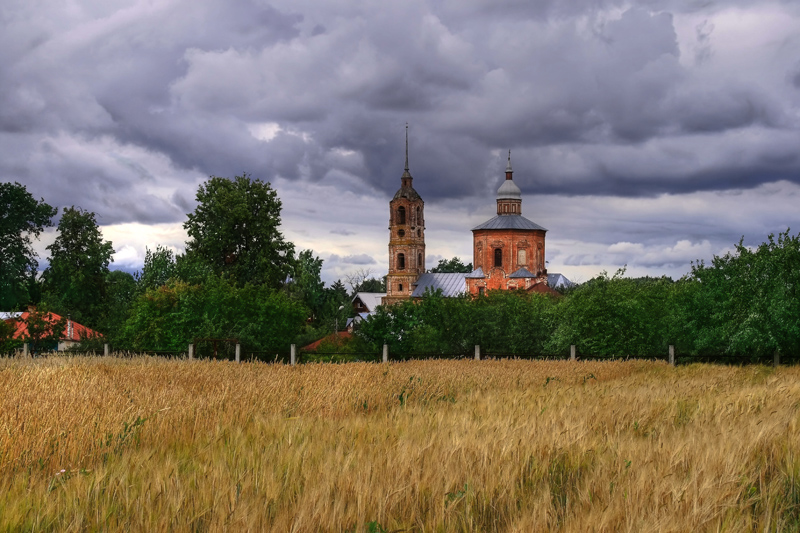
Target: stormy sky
[{"x": 647, "y": 134}]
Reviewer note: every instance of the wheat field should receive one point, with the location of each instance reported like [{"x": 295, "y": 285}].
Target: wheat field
[{"x": 145, "y": 444}]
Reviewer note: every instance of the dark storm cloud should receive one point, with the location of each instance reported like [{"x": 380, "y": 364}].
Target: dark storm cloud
[{"x": 122, "y": 107}]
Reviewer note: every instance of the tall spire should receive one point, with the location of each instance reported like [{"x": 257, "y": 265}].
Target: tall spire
[
  {"x": 405, "y": 179},
  {"x": 509, "y": 172},
  {"x": 407, "y": 147}
]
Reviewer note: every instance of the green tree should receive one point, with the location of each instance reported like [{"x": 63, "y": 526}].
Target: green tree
[
  {"x": 22, "y": 218},
  {"x": 8, "y": 344},
  {"x": 121, "y": 290},
  {"x": 307, "y": 285},
  {"x": 75, "y": 282},
  {"x": 235, "y": 231},
  {"x": 617, "y": 316},
  {"x": 749, "y": 300},
  {"x": 372, "y": 285},
  {"x": 169, "y": 317},
  {"x": 453, "y": 265},
  {"x": 159, "y": 267},
  {"x": 44, "y": 330}
]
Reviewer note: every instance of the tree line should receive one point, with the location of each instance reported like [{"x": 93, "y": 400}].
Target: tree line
[
  {"x": 240, "y": 279},
  {"x": 743, "y": 304}
]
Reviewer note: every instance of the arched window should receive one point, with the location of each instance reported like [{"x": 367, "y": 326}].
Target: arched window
[
  {"x": 401, "y": 215},
  {"x": 401, "y": 261},
  {"x": 498, "y": 257},
  {"x": 400, "y": 287},
  {"x": 419, "y": 261}
]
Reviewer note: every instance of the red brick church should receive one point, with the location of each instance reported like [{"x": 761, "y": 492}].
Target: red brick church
[{"x": 508, "y": 249}]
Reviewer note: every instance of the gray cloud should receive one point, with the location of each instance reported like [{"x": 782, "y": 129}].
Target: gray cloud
[
  {"x": 358, "y": 259},
  {"x": 124, "y": 108}
]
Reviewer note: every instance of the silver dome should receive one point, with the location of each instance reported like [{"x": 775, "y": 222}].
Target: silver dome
[{"x": 509, "y": 191}]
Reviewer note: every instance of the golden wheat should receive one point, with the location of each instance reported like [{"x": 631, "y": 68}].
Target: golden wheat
[{"x": 154, "y": 445}]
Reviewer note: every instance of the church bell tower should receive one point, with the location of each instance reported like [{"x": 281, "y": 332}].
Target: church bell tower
[{"x": 406, "y": 239}]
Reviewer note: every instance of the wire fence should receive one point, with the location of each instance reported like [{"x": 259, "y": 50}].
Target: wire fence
[{"x": 235, "y": 352}]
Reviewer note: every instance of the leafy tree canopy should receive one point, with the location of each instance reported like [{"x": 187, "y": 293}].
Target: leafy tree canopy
[
  {"x": 121, "y": 290},
  {"x": 172, "y": 315},
  {"x": 453, "y": 265},
  {"x": 235, "y": 231},
  {"x": 44, "y": 330},
  {"x": 159, "y": 267},
  {"x": 8, "y": 344},
  {"x": 307, "y": 285},
  {"x": 750, "y": 299},
  {"x": 22, "y": 217},
  {"x": 75, "y": 281},
  {"x": 372, "y": 285}
]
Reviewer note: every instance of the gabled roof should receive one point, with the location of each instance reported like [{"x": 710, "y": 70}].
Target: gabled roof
[
  {"x": 509, "y": 222},
  {"x": 72, "y": 330},
  {"x": 476, "y": 274},
  {"x": 558, "y": 280},
  {"x": 450, "y": 284},
  {"x": 522, "y": 273},
  {"x": 370, "y": 299},
  {"x": 356, "y": 319}
]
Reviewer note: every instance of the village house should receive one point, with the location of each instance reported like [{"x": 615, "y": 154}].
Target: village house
[{"x": 72, "y": 334}]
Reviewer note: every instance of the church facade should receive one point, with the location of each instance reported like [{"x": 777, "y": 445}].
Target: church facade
[{"x": 508, "y": 249}]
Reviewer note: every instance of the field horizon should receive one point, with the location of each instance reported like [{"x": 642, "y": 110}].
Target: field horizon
[{"x": 148, "y": 444}]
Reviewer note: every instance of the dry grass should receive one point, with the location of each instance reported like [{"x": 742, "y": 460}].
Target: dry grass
[{"x": 154, "y": 445}]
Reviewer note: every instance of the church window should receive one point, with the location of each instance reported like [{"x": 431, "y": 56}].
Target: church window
[
  {"x": 401, "y": 233},
  {"x": 400, "y": 287},
  {"x": 480, "y": 291},
  {"x": 401, "y": 261},
  {"x": 521, "y": 259},
  {"x": 401, "y": 215},
  {"x": 419, "y": 233},
  {"x": 498, "y": 257},
  {"x": 419, "y": 260}
]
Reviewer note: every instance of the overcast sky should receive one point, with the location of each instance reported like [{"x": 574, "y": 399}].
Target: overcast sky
[{"x": 646, "y": 134}]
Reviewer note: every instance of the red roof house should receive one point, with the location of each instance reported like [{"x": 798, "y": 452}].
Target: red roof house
[
  {"x": 333, "y": 337},
  {"x": 72, "y": 334}
]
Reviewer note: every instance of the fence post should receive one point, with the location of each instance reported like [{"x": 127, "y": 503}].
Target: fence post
[
  {"x": 191, "y": 352},
  {"x": 573, "y": 356},
  {"x": 106, "y": 351},
  {"x": 293, "y": 355},
  {"x": 776, "y": 362},
  {"x": 25, "y": 351},
  {"x": 385, "y": 353},
  {"x": 477, "y": 352},
  {"x": 672, "y": 355},
  {"x": 238, "y": 353}
]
